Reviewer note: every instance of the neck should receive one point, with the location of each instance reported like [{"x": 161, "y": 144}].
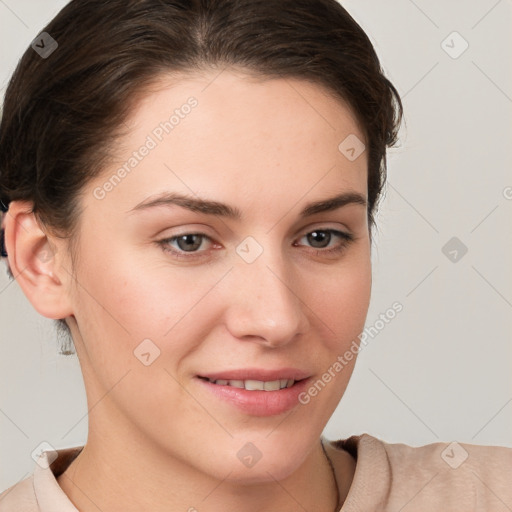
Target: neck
[{"x": 107, "y": 476}]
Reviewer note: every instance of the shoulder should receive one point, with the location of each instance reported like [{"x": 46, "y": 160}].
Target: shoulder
[
  {"x": 20, "y": 497},
  {"x": 453, "y": 476},
  {"x": 40, "y": 491},
  {"x": 467, "y": 476}
]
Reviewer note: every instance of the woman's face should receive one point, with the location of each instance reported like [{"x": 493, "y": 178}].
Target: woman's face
[{"x": 262, "y": 288}]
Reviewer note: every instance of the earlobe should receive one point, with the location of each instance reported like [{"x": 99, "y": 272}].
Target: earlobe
[{"x": 33, "y": 262}]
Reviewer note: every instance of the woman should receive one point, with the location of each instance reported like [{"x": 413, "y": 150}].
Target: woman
[{"x": 190, "y": 190}]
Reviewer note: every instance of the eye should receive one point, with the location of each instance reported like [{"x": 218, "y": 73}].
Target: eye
[
  {"x": 185, "y": 243},
  {"x": 194, "y": 245},
  {"x": 321, "y": 239}
]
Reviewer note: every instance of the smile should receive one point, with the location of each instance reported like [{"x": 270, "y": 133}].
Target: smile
[
  {"x": 255, "y": 385},
  {"x": 256, "y": 392}
]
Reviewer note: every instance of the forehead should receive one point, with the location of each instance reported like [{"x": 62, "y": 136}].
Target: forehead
[
  {"x": 232, "y": 91},
  {"x": 229, "y": 134}
]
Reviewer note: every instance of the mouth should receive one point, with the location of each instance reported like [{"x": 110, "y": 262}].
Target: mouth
[
  {"x": 256, "y": 392},
  {"x": 254, "y": 385}
]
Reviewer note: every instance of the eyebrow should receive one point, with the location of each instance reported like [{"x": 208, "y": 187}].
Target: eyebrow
[{"x": 224, "y": 210}]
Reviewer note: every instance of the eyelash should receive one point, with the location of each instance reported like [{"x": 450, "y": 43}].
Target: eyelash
[{"x": 347, "y": 239}]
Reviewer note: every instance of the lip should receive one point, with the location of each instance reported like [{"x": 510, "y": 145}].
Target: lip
[
  {"x": 258, "y": 374},
  {"x": 256, "y": 403}
]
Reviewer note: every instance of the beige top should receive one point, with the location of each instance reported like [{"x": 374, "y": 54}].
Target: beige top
[{"x": 388, "y": 477}]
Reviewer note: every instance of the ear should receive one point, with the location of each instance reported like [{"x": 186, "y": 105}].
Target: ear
[{"x": 33, "y": 262}]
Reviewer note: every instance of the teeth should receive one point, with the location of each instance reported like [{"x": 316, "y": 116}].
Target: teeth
[
  {"x": 273, "y": 385},
  {"x": 256, "y": 385}
]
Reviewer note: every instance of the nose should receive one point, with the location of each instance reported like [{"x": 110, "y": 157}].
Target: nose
[{"x": 264, "y": 307}]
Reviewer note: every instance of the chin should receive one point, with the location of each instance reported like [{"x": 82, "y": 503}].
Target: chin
[
  {"x": 261, "y": 473},
  {"x": 262, "y": 457}
]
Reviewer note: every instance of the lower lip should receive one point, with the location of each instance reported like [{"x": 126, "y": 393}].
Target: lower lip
[{"x": 258, "y": 403}]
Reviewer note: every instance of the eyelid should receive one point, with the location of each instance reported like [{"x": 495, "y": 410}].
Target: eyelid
[
  {"x": 324, "y": 226},
  {"x": 187, "y": 229}
]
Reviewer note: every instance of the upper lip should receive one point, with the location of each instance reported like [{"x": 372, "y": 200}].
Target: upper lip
[{"x": 257, "y": 374}]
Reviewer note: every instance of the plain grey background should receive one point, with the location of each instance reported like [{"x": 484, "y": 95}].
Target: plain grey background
[{"x": 441, "y": 369}]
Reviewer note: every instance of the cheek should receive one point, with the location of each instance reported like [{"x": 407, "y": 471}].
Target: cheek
[
  {"x": 129, "y": 300},
  {"x": 341, "y": 308},
  {"x": 342, "y": 300}
]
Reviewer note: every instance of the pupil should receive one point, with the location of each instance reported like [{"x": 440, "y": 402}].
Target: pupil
[
  {"x": 319, "y": 236},
  {"x": 189, "y": 242}
]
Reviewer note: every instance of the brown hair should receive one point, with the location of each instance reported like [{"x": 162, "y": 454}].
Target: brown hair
[{"x": 62, "y": 113}]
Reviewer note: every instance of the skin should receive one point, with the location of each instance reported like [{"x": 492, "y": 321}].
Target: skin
[{"x": 267, "y": 148}]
